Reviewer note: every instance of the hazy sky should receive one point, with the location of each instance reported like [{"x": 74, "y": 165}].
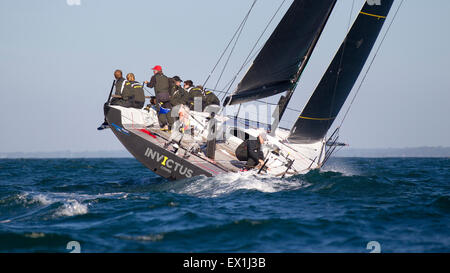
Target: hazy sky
[{"x": 57, "y": 62}]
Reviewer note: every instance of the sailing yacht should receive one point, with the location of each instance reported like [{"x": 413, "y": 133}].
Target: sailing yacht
[{"x": 208, "y": 147}]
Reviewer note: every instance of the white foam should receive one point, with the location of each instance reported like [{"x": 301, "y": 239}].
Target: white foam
[
  {"x": 72, "y": 208},
  {"x": 23, "y": 198},
  {"x": 231, "y": 182},
  {"x": 73, "y": 203},
  {"x": 42, "y": 199},
  {"x": 27, "y": 198}
]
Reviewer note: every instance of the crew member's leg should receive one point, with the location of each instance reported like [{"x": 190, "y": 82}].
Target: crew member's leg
[
  {"x": 162, "y": 99},
  {"x": 105, "y": 124},
  {"x": 161, "y": 117},
  {"x": 250, "y": 164},
  {"x": 170, "y": 119}
]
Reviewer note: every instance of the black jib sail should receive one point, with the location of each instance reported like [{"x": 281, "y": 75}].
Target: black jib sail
[
  {"x": 340, "y": 77},
  {"x": 275, "y": 68}
]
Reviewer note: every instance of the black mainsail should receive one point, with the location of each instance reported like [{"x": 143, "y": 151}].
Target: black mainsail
[
  {"x": 276, "y": 68},
  {"x": 340, "y": 77}
]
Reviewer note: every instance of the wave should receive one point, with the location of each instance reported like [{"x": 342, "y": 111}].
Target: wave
[
  {"x": 442, "y": 202},
  {"x": 72, "y": 208},
  {"x": 339, "y": 208},
  {"x": 340, "y": 168},
  {"x": 42, "y": 199},
  {"x": 211, "y": 187},
  {"x": 336, "y": 177},
  {"x": 56, "y": 204}
]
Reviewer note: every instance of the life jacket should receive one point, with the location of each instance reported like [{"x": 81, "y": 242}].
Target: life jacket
[
  {"x": 127, "y": 91},
  {"x": 138, "y": 92},
  {"x": 178, "y": 96},
  {"x": 211, "y": 98},
  {"x": 196, "y": 92},
  {"x": 162, "y": 83}
]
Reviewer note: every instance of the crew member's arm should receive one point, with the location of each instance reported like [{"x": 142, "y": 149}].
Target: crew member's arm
[
  {"x": 261, "y": 157},
  {"x": 152, "y": 82}
]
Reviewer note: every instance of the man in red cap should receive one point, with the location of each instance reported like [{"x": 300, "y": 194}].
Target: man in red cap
[{"x": 162, "y": 86}]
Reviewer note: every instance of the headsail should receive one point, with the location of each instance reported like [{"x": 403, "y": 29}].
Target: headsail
[
  {"x": 276, "y": 67},
  {"x": 340, "y": 77}
]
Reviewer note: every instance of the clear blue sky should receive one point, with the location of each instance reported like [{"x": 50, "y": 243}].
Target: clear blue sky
[{"x": 57, "y": 62}]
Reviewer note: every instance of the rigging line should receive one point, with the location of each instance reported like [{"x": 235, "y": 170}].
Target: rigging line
[
  {"x": 147, "y": 90},
  {"x": 251, "y": 55},
  {"x": 274, "y": 104},
  {"x": 230, "y": 83},
  {"x": 371, "y": 63},
  {"x": 246, "y": 122},
  {"x": 342, "y": 59},
  {"x": 214, "y": 90},
  {"x": 236, "y": 41},
  {"x": 231, "y": 53},
  {"x": 238, "y": 111},
  {"x": 226, "y": 49},
  {"x": 227, "y": 88},
  {"x": 260, "y": 36}
]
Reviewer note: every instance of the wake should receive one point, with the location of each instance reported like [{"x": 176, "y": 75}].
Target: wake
[{"x": 212, "y": 187}]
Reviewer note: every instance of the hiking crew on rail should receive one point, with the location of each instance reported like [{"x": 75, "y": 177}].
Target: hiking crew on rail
[{"x": 170, "y": 96}]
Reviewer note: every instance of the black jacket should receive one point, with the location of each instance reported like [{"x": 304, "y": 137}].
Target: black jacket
[
  {"x": 249, "y": 149},
  {"x": 133, "y": 91},
  {"x": 138, "y": 92},
  {"x": 193, "y": 93},
  {"x": 118, "y": 86},
  {"x": 178, "y": 95},
  {"x": 161, "y": 83},
  {"x": 211, "y": 98},
  {"x": 254, "y": 150}
]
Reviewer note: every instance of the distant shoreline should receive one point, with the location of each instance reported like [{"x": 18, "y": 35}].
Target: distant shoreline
[{"x": 415, "y": 152}]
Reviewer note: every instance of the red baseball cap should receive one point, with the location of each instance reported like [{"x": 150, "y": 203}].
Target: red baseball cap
[{"x": 157, "y": 68}]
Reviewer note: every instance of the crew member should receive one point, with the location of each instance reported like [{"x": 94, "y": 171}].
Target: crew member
[
  {"x": 188, "y": 85},
  {"x": 196, "y": 96},
  {"x": 118, "y": 86},
  {"x": 162, "y": 86},
  {"x": 211, "y": 98},
  {"x": 178, "y": 96},
  {"x": 250, "y": 151},
  {"x": 133, "y": 93}
]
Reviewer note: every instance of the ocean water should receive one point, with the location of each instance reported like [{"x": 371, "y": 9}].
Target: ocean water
[{"x": 117, "y": 205}]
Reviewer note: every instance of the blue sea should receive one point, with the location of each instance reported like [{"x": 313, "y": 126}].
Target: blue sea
[{"x": 117, "y": 205}]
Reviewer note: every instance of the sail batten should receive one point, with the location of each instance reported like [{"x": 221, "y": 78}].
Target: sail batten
[
  {"x": 332, "y": 91},
  {"x": 275, "y": 68}
]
